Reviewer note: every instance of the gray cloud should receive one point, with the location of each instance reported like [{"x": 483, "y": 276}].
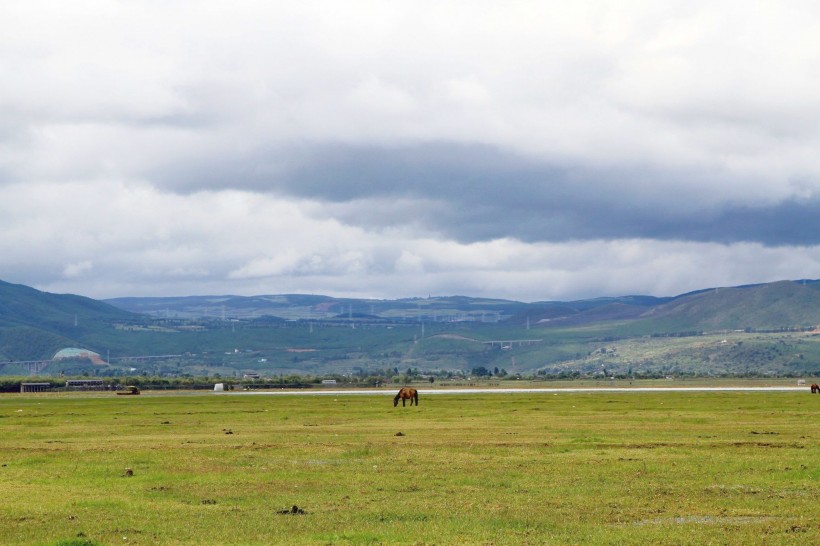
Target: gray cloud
[
  {"x": 524, "y": 149},
  {"x": 476, "y": 192}
]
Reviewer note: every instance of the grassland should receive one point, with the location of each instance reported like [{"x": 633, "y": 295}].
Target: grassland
[{"x": 565, "y": 468}]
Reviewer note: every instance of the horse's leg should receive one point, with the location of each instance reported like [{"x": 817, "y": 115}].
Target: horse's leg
[{"x": 403, "y": 402}]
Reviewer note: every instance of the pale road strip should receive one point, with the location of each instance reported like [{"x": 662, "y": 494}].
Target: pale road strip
[{"x": 392, "y": 392}]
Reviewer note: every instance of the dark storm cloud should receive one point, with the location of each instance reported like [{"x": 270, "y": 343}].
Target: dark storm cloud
[{"x": 475, "y": 193}]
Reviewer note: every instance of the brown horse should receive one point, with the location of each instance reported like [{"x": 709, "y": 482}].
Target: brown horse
[
  {"x": 815, "y": 388},
  {"x": 406, "y": 393}
]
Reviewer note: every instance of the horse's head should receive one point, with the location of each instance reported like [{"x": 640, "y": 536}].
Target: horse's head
[{"x": 395, "y": 401}]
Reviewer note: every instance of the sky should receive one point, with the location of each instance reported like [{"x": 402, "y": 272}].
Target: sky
[{"x": 526, "y": 150}]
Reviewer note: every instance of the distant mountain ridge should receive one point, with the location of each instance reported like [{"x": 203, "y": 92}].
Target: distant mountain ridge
[
  {"x": 757, "y": 305},
  {"x": 771, "y": 305},
  {"x": 765, "y": 305},
  {"x": 21, "y": 305},
  {"x": 303, "y": 306},
  {"x": 34, "y": 324}
]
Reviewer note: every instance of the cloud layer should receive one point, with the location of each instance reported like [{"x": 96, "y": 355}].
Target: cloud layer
[{"x": 527, "y": 150}]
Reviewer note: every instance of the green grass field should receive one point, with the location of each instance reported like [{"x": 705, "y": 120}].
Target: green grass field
[{"x": 566, "y": 468}]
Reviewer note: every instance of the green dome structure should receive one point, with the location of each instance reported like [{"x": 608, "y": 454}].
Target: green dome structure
[{"x": 73, "y": 353}]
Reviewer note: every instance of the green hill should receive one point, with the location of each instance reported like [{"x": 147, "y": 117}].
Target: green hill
[
  {"x": 34, "y": 324},
  {"x": 756, "y": 329},
  {"x": 783, "y": 304}
]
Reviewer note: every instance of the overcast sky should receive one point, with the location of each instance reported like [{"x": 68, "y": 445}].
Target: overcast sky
[{"x": 529, "y": 150}]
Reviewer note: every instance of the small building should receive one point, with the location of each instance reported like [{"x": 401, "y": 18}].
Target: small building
[
  {"x": 328, "y": 381},
  {"x": 84, "y": 385},
  {"x": 35, "y": 387}
]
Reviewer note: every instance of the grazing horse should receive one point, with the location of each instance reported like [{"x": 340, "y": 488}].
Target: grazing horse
[
  {"x": 406, "y": 393},
  {"x": 815, "y": 388}
]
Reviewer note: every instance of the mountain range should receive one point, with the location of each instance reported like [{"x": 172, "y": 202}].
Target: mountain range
[
  {"x": 322, "y": 334},
  {"x": 767, "y": 305}
]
